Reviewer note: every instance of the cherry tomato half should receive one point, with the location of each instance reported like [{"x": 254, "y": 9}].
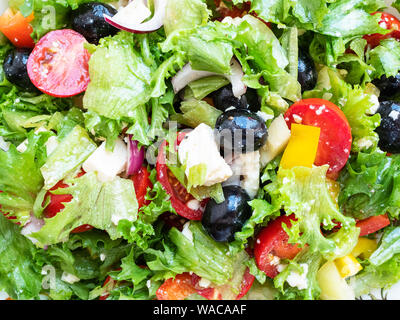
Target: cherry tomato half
[
  {"x": 178, "y": 195},
  {"x": 141, "y": 182},
  {"x": 388, "y": 22},
  {"x": 177, "y": 288},
  {"x": 58, "y": 65},
  {"x": 271, "y": 242},
  {"x": 335, "y": 138},
  {"x": 17, "y": 28},
  {"x": 372, "y": 224},
  {"x": 57, "y": 202}
]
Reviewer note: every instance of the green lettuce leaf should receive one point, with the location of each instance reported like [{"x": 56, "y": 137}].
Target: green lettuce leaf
[
  {"x": 70, "y": 153},
  {"x": 20, "y": 177},
  {"x": 101, "y": 205},
  {"x": 370, "y": 185},
  {"x": 195, "y": 112},
  {"x": 20, "y": 273},
  {"x": 185, "y": 14},
  {"x": 303, "y": 191},
  {"x": 312, "y": 292},
  {"x": 385, "y": 58}
]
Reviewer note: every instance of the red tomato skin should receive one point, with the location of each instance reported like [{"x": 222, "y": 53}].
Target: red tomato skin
[
  {"x": 273, "y": 241},
  {"x": 388, "y": 22},
  {"x": 141, "y": 182},
  {"x": 335, "y": 137},
  {"x": 59, "y": 64},
  {"x": 372, "y": 224},
  {"x": 176, "y": 289},
  {"x": 248, "y": 280},
  {"x": 17, "y": 28},
  {"x": 178, "y": 194},
  {"x": 56, "y": 204}
]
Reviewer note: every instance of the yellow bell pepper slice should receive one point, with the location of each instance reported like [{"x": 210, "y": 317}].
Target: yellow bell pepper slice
[
  {"x": 364, "y": 248},
  {"x": 302, "y": 147},
  {"x": 348, "y": 266}
]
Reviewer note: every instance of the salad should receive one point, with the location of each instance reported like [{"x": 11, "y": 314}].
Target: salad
[{"x": 199, "y": 149}]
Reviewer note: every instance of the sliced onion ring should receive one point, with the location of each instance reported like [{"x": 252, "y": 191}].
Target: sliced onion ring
[
  {"x": 135, "y": 156},
  {"x": 131, "y": 17},
  {"x": 187, "y": 75}
]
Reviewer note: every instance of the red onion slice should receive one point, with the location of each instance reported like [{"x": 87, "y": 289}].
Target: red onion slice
[
  {"x": 187, "y": 75},
  {"x": 135, "y": 156},
  {"x": 131, "y": 17}
]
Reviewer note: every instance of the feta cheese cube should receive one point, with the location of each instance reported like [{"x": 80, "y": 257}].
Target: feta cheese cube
[
  {"x": 199, "y": 147},
  {"x": 278, "y": 138},
  {"x": 107, "y": 164},
  {"x": 246, "y": 172},
  {"x": 70, "y": 278}
]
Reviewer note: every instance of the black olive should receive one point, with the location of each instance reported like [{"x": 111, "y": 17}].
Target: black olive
[
  {"x": 223, "y": 99},
  {"x": 307, "y": 73},
  {"x": 222, "y": 220},
  {"x": 88, "y": 20},
  {"x": 389, "y": 129},
  {"x": 14, "y": 67},
  {"x": 389, "y": 87},
  {"x": 241, "y": 130}
]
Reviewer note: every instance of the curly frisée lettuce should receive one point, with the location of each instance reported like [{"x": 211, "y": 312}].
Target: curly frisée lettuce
[
  {"x": 370, "y": 185},
  {"x": 101, "y": 205},
  {"x": 303, "y": 191}
]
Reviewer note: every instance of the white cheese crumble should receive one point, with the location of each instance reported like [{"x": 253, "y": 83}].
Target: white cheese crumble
[
  {"x": 394, "y": 114},
  {"x": 186, "y": 232},
  {"x": 69, "y": 278},
  {"x": 4, "y": 145},
  {"x": 4, "y": 295},
  {"x": 107, "y": 164},
  {"x": 278, "y": 138},
  {"x": 199, "y": 148},
  {"x": 102, "y": 257},
  {"x": 299, "y": 280},
  {"x": 204, "y": 283},
  {"x": 246, "y": 172}
]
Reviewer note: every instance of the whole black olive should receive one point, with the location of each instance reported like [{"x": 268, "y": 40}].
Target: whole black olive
[
  {"x": 14, "y": 67},
  {"x": 222, "y": 220},
  {"x": 307, "y": 73},
  {"x": 241, "y": 130},
  {"x": 389, "y": 128},
  {"x": 223, "y": 99},
  {"x": 389, "y": 87},
  {"x": 88, "y": 20}
]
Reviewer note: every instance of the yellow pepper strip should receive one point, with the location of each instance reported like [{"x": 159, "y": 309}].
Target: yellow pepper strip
[
  {"x": 364, "y": 248},
  {"x": 348, "y": 266},
  {"x": 302, "y": 147}
]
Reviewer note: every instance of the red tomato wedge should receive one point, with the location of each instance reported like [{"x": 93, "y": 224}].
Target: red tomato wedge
[
  {"x": 335, "y": 138},
  {"x": 271, "y": 242},
  {"x": 185, "y": 284},
  {"x": 178, "y": 195},
  {"x": 57, "y": 202},
  {"x": 17, "y": 28},
  {"x": 58, "y": 65},
  {"x": 372, "y": 224},
  {"x": 141, "y": 182},
  {"x": 248, "y": 280},
  {"x": 388, "y": 22},
  {"x": 176, "y": 289}
]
